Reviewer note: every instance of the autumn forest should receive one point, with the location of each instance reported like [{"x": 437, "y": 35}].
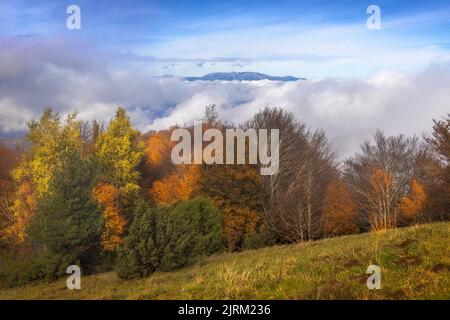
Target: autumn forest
[{"x": 107, "y": 197}]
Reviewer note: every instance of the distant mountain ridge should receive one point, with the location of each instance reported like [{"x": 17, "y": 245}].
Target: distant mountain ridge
[{"x": 240, "y": 76}]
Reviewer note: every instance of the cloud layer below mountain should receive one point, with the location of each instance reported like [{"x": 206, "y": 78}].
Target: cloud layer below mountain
[{"x": 69, "y": 77}]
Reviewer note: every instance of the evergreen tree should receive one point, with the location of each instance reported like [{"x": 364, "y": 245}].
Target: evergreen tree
[
  {"x": 187, "y": 231},
  {"x": 169, "y": 237},
  {"x": 139, "y": 256},
  {"x": 68, "y": 223}
]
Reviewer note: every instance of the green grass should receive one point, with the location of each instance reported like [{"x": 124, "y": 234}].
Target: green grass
[{"x": 414, "y": 261}]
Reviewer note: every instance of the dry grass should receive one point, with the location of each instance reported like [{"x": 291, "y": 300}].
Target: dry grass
[{"x": 414, "y": 261}]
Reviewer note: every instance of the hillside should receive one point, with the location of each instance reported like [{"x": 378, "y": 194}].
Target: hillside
[{"x": 414, "y": 261}]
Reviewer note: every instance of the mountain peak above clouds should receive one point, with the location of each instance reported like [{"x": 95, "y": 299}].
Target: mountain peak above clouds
[{"x": 240, "y": 76}]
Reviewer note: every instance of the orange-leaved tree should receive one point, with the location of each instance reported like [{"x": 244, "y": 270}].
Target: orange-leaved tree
[
  {"x": 169, "y": 182},
  {"x": 411, "y": 205},
  {"x": 340, "y": 212},
  {"x": 235, "y": 190},
  {"x": 25, "y": 204},
  {"x": 159, "y": 149},
  {"x": 108, "y": 196},
  {"x": 182, "y": 184}
]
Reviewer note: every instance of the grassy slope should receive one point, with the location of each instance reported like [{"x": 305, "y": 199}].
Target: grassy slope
[{"x": 415, "y": 264}]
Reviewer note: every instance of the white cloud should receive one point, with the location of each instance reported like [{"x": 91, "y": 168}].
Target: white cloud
[
  {"x": 349, "y": 110},
  {"x": 13, "y": 117}
]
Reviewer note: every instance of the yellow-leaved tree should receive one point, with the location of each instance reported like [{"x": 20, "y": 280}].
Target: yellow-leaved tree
[
  {"x": 50, "y": 141},
  {"x": 119, "y": 150}
]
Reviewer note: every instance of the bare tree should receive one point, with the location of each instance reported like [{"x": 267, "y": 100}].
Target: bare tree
[
  {"x": 294, "y": 197},
  {"x": 89, "y": 132},
  {"x": 381, "y": 174},
  {"x": 439, "y": 184}
]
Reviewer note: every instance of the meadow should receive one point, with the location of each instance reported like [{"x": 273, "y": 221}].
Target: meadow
[{"x": 414, "y": 262}]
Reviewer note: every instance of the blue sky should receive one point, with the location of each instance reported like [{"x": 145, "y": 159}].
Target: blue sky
[
  {"x": 313, "y": 39},
  {"x": 359, "y": 80}
]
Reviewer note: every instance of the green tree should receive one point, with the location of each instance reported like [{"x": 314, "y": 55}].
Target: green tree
[
  {"x": 169, "y": 237},
  {"x": 187, "y": 231},
  {"x": 68, "y": 222},
  {"x": 139, "y": 255}
]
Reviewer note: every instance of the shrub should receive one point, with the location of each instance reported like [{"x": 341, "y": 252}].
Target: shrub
[
  {"x": 20, "y": 266},
  {"x": 169, "y": 237},
  {"x": 187, "y": 231},
  {"x": 139, "y": 256},
  {"x": 16, "y": 269}
]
